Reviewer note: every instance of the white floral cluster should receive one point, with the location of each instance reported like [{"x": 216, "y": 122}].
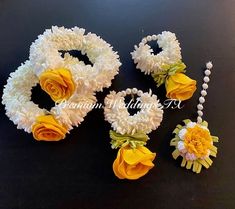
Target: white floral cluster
[
  {"x": 148, "y": 62},
  {"x": 181, "y": 147},
  {"x": 45, "y": 54},
  {"x": 23, "y": 112},
  {"x": 17, "y": 95},
  {"x": 147, "y": 119}
]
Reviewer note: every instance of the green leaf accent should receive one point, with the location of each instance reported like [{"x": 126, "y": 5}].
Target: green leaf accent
[
  {"x": 176, "y": 131},
  {"x": 186, "y": 121},
  {"x": 119, "y": 140},
  {"x": 161, "y": 77},
  {"x": 174, "y": 141},
  {"x": 204, "y": 123},
  {"x": 215, "y": 138},
  {"x": 175, "y": 154}
]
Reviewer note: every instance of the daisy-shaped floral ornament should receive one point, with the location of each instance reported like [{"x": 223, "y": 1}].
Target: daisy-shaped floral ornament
[{"x": 193, "y": 141}]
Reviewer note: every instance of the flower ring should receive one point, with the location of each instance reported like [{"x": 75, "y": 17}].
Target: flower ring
[
  {"x": 45, "y": 125},
  {"x": 165, "y": 67},
  {"x": 129, "y": 132},
  {"x": 45, "y": 56}
]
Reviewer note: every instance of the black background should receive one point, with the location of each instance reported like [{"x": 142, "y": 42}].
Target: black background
[{"x": 77, "y": 172}]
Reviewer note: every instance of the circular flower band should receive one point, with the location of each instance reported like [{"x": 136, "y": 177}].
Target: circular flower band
[
  {"x": 129, "y": 132},
  {"x": 64, "y": 79},
  {"x": 45, "y": 125},
  {"x": 45, "y": 56},
  {"x": 165, "y": 67}
]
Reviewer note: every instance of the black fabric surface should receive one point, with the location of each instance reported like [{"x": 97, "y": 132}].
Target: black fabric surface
[{"x": 77, "y": 172}]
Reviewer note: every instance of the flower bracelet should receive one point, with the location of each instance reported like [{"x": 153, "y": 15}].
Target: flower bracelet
[
  {"x": 129, "y": 133},
  {"x": 166, "y": 67},
  {"x": 64, "y": 79}
]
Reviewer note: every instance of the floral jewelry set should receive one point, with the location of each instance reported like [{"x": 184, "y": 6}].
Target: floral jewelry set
[{"x": 67, "y": 79}]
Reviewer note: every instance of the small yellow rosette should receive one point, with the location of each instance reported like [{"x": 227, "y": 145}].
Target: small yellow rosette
[
  {"x": 133, "y": 160},
  {"x": 133, "y": 163},
  {"x": 180, "y": 87},
  {"x": 47, "y": 128},
  {"x": 58, "y": 83}
]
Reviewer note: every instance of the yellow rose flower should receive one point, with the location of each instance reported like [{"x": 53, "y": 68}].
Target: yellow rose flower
[
  {"x": 58, "y": 83},
  {"x": 133, "y": 163},
  {"x": 46, "y": 128},
  {"x": 179, "y": 86},
  {"x": 198, "y": 141}
]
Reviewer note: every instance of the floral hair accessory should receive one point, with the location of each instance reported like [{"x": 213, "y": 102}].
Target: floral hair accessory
[
  {"x": 66, "y": 79},
  {"x": 193, "y": 140},
  {"x": 45, "y": 125},
  {"x": 129, "y": 133},
  {"x": 45, "y": 55},
  {"x": 166, "y": 67}
]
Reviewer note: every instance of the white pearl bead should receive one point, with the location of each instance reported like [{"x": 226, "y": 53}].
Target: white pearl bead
[
  {"x": 209, "y": 65},
  {"x": 154, "y": 37},
  {"x": 203, "y": 93},
  {"x": 144, "y": 40},
  {"x": 200, "y": 113},
  {"x": 207, "y": 72},
  {"x": 199, "y": 119},
  {"x": 206, "y": 79},
  {"x": 128, "y": 91},
  {"x": 201, "y": 100},
  {"x": 123, "y": 93},
  {"x": 134, "y": 90},
  {"x": 204, "y": 86},
  {"x": 149, "y": 38},
  {"x": 200, "y": 107},
  {"x": 139, "y": 93}
]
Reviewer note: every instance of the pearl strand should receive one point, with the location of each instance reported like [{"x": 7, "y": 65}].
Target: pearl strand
[
  {"x": 202, "y": 100},
  {"x": 149, "y": 38},
  {"x": 129, "y": 91}
]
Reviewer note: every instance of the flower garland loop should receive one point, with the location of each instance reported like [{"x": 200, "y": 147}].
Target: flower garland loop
[
  {"x": 146, "y": 120},
  {"x": 63, "y": 79},
  {"x": 45, "y": 55},
  {"x": 45, "y": 125},
  {"x": 166, "y": 67},
  {"x": 129, "y": 133}
]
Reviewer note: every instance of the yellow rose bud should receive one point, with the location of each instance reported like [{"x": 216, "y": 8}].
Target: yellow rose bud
[
  {"x": 179, "y": 86},
  {"x": 133, "y": 163},
  {"x": 57, "y": 83},
  {"x": 46, "y": 128}
]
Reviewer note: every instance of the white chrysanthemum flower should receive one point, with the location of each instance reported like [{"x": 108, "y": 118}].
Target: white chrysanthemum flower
[
  {"x": 190, "y": 156},
  {"x": 191, "y": 124},
  {"x": 181, "y": 147},
  {"x": 182, "y": 133}
]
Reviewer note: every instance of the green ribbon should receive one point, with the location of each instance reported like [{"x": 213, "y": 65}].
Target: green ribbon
[
  {"x": 119, "y": 140},
  {"x": 168, "y": 70}
]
